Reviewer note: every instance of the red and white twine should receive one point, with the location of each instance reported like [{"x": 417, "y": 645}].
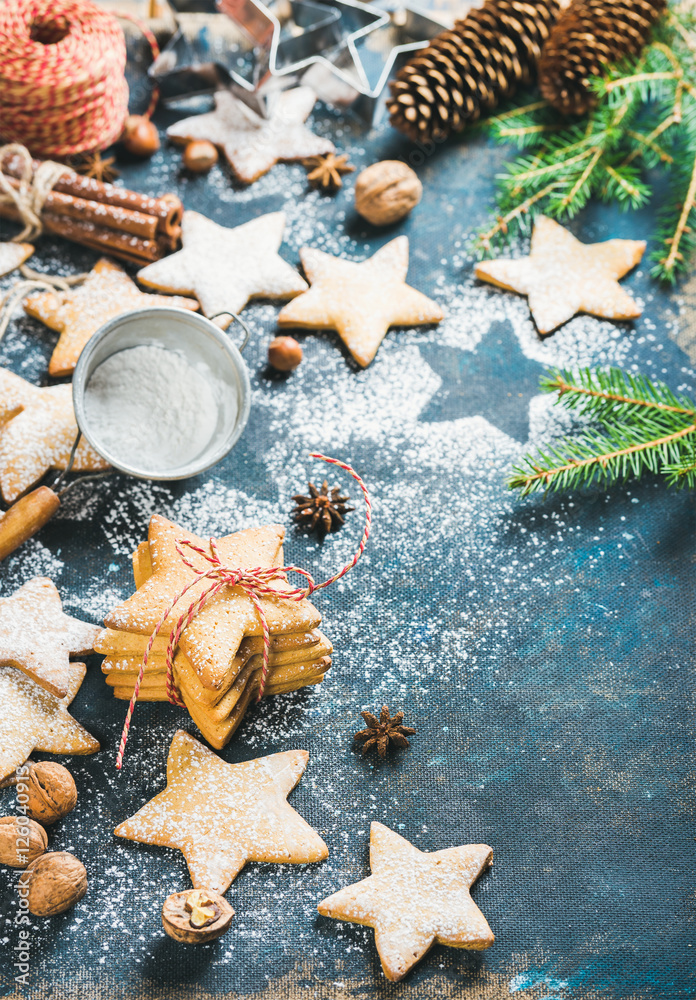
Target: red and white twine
[{"x": 256, "y": 584}]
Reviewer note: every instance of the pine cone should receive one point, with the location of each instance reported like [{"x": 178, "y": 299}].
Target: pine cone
[
  {"x": 469, "y": 69},
  {"x": 588, "y": 36}
]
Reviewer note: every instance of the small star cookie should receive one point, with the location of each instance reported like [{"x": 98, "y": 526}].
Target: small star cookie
[
  {"x": 38, "y": 638},
  {"x": 251, "y": 144},
  {"x": 33, "y": 719},
  {"x": 37, "y": 431},
  {"x": 415, "y": 900},
  {"x": 106, "y": 293},
  {"x": 224, "y": 268},
  {"x": 220, "y": 816},
  {"x": 12, "y": 255},
  {"x": 563, "y": 276},
  {"x": 359, "y": 300}
]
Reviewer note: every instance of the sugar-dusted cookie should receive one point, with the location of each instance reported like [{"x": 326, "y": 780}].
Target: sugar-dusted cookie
[
  {"x": 222, "y": 815},
  {"x": 106, "y": 293},
  {"x": 12, "y": 255},
  {"x": 37, "y": 431},
  {"x": 562, "y": 276},
  {"x": 251, "y": 144},
  {"x": 32, "y": 719},
  {"x": 415, "y": 900},
  {"x": 224, "y": 268},
  {"x": 359, "y": 300},
  {"x": 38, "y": 638}
]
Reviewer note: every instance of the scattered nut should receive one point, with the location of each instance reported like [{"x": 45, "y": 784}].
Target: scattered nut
[
  {"x": 21, "y": 841},
  {"x": 53, "y": 883},
  {"x": 199, "y": 156},
  {"x": 284, "y": 354},
  {"x": 386, "y": 192},
  {"x": 51, "y": 792},
  {"x": 140, "y": 137},
  {"x": 196, "y": 916}
]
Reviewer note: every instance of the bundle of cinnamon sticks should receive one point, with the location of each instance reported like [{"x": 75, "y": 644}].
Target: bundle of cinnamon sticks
[{"x": 113, "y": 220}]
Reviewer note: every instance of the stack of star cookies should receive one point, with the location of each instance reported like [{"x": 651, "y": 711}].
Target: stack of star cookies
[{"x": 217, "y": 664}]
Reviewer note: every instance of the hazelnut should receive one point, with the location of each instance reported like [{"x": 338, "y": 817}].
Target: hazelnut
[
  {"x": 21, "y": 841},
  {"x": 196, "y": 916},
  {"x": 200, "y": 156},
  {"x": 140, "y": 137},
  {"x": 386, "y": 192},
  {"x": 53, "y": 883},
  {"x": 284, "y": 354},
  {"x": 51, "y": 792}
]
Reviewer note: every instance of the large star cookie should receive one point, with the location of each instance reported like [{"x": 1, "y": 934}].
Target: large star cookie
[
  {"x": 37, "y": 432},
  {"x": 213, "y": 637},
  {"x": 32, "y": 719},
  {"x": 224, "y": 268},
  {"x": 106, "y": 293},
  {"x": 415, "y": 900},
  {"x": 251, "y": 144},
  {"x": 562, "y": 276},
  {"x": 222, "y": 815},
  {"x": 12, "y": 255},
  {"x": 359, "y": 300},
  {"x": 38, "y": 638}
]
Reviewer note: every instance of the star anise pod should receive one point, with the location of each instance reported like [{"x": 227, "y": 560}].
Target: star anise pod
[
  {"x": 322, "y": 510},
  {"x": 325, "y": 171},
  {"x": 92, "y": 165},
  {"x": 383, "y": 732}
]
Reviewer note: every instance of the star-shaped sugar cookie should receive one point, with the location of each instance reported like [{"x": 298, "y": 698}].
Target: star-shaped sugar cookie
[
  {"x": 222, "y": 815},
  {"x": 251, "y": 144},
  {"x": 359, "y": 300},
  {"x": 224, "y": 268},
  {"x": 38, "y": 638},
  {"x": 212, "y": 639},
  {"x": 12, "y": 255},
  {"x": 562, "y": 276},
  {"x": 32, "y": 719},
  {"x": 106, "y": 293},
  {"x": 37, "y": 431},
  {"x": 415, "y": 900}
]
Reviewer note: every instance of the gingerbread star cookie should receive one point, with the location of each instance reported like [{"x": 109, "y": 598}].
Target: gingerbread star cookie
[
  {"x": 359, "y": 300},
  {"x": 37, "y": 431},
  {"x": 251, "y": 144},
  {"x": 415, "y": 900},
  {"x": 224, "y": 268},
  {"x": 32, "y": 719},
  {"x": 562, "y": 276},
  {"x": 211, "y": 640},
  {"x": 106, "y": 293},
  {"x": 38, "y": 638},
  {"x": 222, "y": 815},
  {"x": 12, "y": 255}
]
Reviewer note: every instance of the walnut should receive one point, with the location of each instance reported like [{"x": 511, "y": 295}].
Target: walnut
[
  {"x": 21, "y": 841},
  {"x": 53, "y": 883},
  {"x": 51, "y": 791},
  {"x": 386, "y": 192},
  {"x": 196, "y": 915}
]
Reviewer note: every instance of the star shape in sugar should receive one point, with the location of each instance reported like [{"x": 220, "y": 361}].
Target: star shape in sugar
[
  {"x": 106, "y": 293},
  {"x": 223, "y": 267},
  {"x": 33, "y": 719},
  {"x": 37, "y": 431},
  {"x": 562, "y": 276},
  {"x": 222, "y": 815},
  {"x": 12, "y": 255},
  {"x": 252, "y": 144},
  {"x": 38, "y": 638},
  {"x": 415, "y": 900},
  {"x": 360, "y": 300},
  {"x": 211, "y": 640}
]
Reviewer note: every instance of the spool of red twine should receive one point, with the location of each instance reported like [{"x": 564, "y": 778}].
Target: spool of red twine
[{"x": 62, "y": 76}]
